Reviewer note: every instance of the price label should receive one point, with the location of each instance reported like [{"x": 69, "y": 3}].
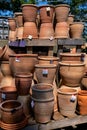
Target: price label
[
  {"x": 3, "y": 96},
  {"x": 73, "y": 98},
  {"x": 45, "y": 72}
]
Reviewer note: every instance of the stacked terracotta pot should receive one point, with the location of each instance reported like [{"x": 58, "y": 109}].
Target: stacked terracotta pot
[
  {"x": 61, "y": 16},
  {"x": 29, "y": 16},
  {"x": 46, "y": 22}
]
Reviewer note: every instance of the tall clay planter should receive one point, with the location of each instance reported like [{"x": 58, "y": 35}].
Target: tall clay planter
[
  {"x": 45, "y": 73},
  {"x": 19, "y": 19},
  {"x": 29, "y": 12},
  {"x": 62, "y": 11},
  {"x": 62, "y": 30},
  {"x": 46, "y": 13},
  {"x": 12, "y": 24},
  {"x": 71, "y": 73},
  {"x": 67, "y": 100},
  {"x": 46, "y": 31},
  {"x": 76, "y": 30}
]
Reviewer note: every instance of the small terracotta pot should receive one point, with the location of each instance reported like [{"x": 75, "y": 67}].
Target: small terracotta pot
[
  {"x": 29, "y": 12},
  {"x": 70, "y": 19},
  {"x": 19, "y": 19},
  {"x": 12, "y": 24},
  {"x": 46, "y": 13}
]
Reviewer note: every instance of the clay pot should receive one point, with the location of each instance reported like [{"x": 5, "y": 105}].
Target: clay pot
[
  {"x": 70, "y": 19},
  {"x": 23, "y": 62},
  {"x": 12, "y": 35},
  {"x": 62, "y": 12},
  {"x": 76, "y": 30},
  {"x": 19, "y": 19},
  {"x": 12, "y": 24},
  {"x": 84, "y": 82},
  {"x": 62, "y": 30},
  {"x": 46, "y": 31},
  {"x": 19, "y": 33},
  {"x": 23, "y": 83},
  {"x": 67, "y": 100},
  {"x": 82, "y": 102},
  {"x": 29, "y": 12},
  {"x": 6, "y": 51},
  {"x": 11, "y": 112},
  {"x": 46, "y": 13},
  {"x": 8, "y": 93},
  {"x": 71, "y": 73},
  {"x": 85, "y": 61},
  {"x": 45, "y": 73},
  {"x": 30, "y": 30},
  {"x": 5, "y": 68}
]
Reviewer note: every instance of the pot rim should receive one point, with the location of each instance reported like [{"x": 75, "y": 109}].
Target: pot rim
[
  {"x": 46, "y": 6},
  {"x": 70, "y": 54},
  {"x": 24, "y": 74},
  {"x": 62, "y": 5},
  {"x": 32, "y": 5},
  {"x": 42, "y": 100},
  {"x": 13, "y": 89},
  {"x": 48, "y": 58},
  {"x": 77, "y": 23},
  {"x": 23, "y": 55},
  {"x": 70, "y": 91},
  {"x": 45, "y": 66},
  {"x": 18, "y": 13},
  {"x": 66, "y": 63}
]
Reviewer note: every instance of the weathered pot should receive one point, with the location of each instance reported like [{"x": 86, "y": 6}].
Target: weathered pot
[
  {"x": 82, "y": 102},
  {"x": 19, "y": 19},
  {"x": 62, "y": 12},
  {"x": 46, "y": 13},
  {"x": 76, "y": 30},
  {"x": 8, "y": 93},
  {"x": 11, "y": 111},
  {"x": 23, "y": 62},
  {"x": 30, "y": 30},
  {"x": 46, "y": 31},
  {"x": 67, "y": 100},
  {"x": 23, "y": 82},
  {"x": 71, "y": 73},
  {"x": 45, "y": 73},
  {"x": 29, "y": 12},
  {"x": 62, "y": 30},
  {"x": 12, "y": 24}
]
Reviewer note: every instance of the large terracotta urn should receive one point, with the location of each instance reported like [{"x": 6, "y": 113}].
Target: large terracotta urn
[
  {"x": 46, "y": 13},
  {"x": 29, "y": 12},
  {"x": 23, "y": 62},
  {"x": 71, "y": 73},
  {"x": 76, "y": 30},
  {"x": 62, "y": 12}
]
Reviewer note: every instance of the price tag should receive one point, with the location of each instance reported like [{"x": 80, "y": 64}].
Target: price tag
[
  {"x": 73, "y": 98},
  {"x": 17, "y": 59},
  {"x": 3, "y": 96},
  {"x": 45, "y": 72},
  {"x": 32, "y": 103},
  {"x": 51, "y": 61},
  {"x": 30, "y": 37},
  {"x": 48, "y": 8}
]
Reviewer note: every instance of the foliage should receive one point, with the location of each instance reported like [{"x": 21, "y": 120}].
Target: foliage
[{"x": 27, "y": 1}]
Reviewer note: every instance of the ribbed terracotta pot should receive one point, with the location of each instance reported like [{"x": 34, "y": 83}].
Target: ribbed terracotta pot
[
  {"x": 23, "y": 82},
  {"x": 67, "y": 100},
  {"x": 46, "y": 31},
  {"x": 19, "y": 19},
  {"x": 46, "y": 13},
  {"x": 62, "y": 30},
  {"x": 30, "y": 30},
  {"x": 62, "y": 12},
  {"x": 12, "y": 24},
  {"x": 71, "y": 73},
  {"x": 45, "y": 73},
  {"x": 70, "y": 19},
  {"x": 23, "y": 62},
  {"x": 76, "y": 30},
  {"x": 29, "y": 12}
]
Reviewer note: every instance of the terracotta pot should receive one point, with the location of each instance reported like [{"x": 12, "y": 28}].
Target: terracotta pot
[
  {"x": 11, "y": 111},
  {"x": 8, "y": 93},
  {"x": 12, "y": 35},
  {"x": 12, "y": 24},
  {"x": 23, "y": 82},
  {"x": 67, "y": 100},
  {"x": 71, "y": 73},
  {"x": 76, "y": 30},
  {"x": 19, "y": 33},
  {"x": 29, "y": 12},
  {"x": 84, "y": 82},
  {"x": 46, "y": 31},
  {"x": 30, "y": 30},
  {"x": 62, "y": 30},
  {"x": 45, "y": 73},
  {"x": 70, "y": 19},
  {"x": 62, "y": 12},
  {"x": 85, "y": 61},
  {"x": 23, "y": 62},
  {"x": 5, "y": 68},
  {"x": 19, "y": 19},
  {"x": 82, "y": 102},
  {"x": 6, "y": 51},
  {"x": 46, "y": 13}
]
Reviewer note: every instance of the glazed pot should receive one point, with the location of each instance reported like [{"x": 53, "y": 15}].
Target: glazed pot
[
  {"x": 45, "y": 73},
  {"x": 46, "y": 13},
  {"x": 67, "y": 100},
  {"x": 19, "y": 19},
  {"x": 76, "y": 30},
  {"x": 23, "y": 62},
  {"x": 71, "y": 73},
  {"x": 23, "y": 82},
  {"x": 62, "y": 30},
  {"x": 8, "y": 93},
  {"x": 30, "y": 30},
  {"x": 62, "y": 12},
  {"x": 12, "y": 24},
  {"x": 11, "y": 112},
  {"x": 46, "y": 31},
  {"x": 29, "y": 12}
]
